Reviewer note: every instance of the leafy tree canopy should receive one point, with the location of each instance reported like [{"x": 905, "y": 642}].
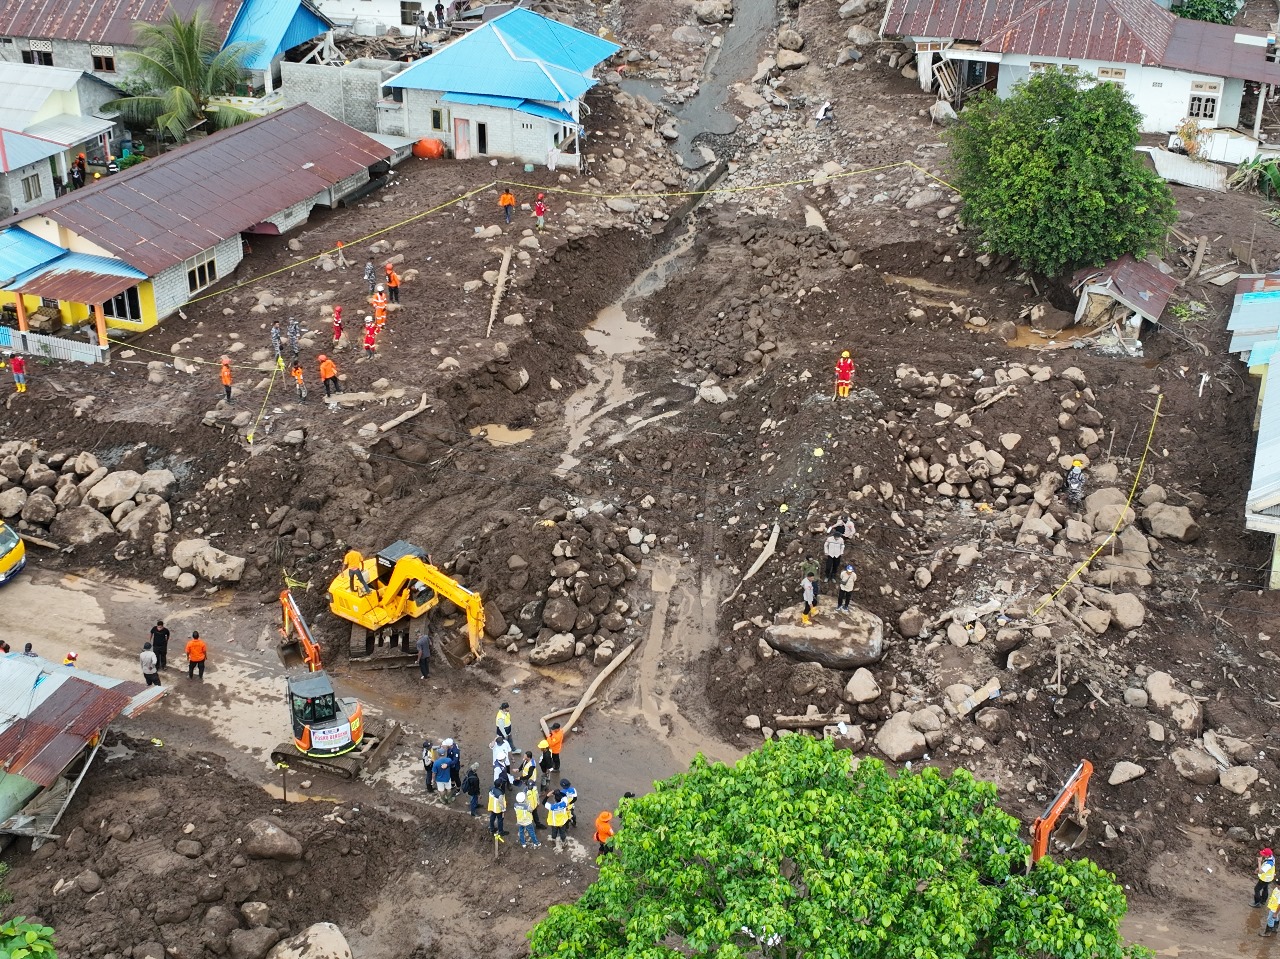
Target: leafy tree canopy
[
  {"x": 181, "y": 68},
  {"x": 1214, "y": 11},
  {"x": 1050, "y": 177},
  {"x": 789, "y": 855},
  {"x": 20, "y": 939}
]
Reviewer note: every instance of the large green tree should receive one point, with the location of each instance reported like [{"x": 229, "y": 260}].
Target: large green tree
[
  {"x": 181, "y": 68},
  {"x": 1050, "y": 177},
  {"x": 789, "y": 855}
]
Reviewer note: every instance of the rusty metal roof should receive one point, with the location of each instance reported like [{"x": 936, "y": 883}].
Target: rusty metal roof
[
  {"x": 1220, "y": 50},
  {"x": 78, "y": 278},
  {"x": 167, "y": 209},
  {"x": 1113, "y": 31},
  {"x": 50, "y": 713},
  {"x": 104, "y": 21},
  {"x": 1138, "y": 284}
]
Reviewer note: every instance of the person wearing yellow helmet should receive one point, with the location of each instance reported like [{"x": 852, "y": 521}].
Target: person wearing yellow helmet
[
  {"x": 844, "y": 375},
  {"x": 1075, "y": 484}
]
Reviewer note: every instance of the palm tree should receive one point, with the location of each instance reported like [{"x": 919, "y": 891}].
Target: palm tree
[{"x": 182, "y": 68}]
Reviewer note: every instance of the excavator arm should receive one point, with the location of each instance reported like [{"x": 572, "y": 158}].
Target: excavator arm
[
  {"x": 294, "y": 630},
  {"x": 1076, "y": 789},
  {"x": 410, "y": 569}
]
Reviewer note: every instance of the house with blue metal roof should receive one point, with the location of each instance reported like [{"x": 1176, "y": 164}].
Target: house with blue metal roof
[
  {"x": 512, "y": 87},
  {"x": 273, "y": 28}
]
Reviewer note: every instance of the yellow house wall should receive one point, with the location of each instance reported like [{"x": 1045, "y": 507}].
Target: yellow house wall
[
  {"x": 76, "y": 313},
  {"x": 50, "y": 230}
]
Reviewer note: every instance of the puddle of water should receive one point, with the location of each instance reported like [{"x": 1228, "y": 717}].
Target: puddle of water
[
  {"x": 924, "y": 286},
  {"x": 614, "y": 334},
  {"x": 606, "y": 383},
  {"x": 1028, "y": 338},
  {"x": 499, "y": 435}
]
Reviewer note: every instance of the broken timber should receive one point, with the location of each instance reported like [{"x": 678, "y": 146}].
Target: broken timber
[{"x": 499, "y": 289}]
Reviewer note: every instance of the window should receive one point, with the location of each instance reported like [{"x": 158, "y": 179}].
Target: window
[
  {"x": 43, "y": 58},
  {"x": 202, "y": 271},
  {"x": 1110, "y": 73},
  {"x": 1157, "y": 84},
  {"x": 1040, "y": 67},
  {"x": 31, "y": 188},
  {"x": 410, "y": 10},
  {"x": 437, "y": 119},
  {"x": 1202, "y": 107},
  {"x": 104, "y": 58},
  {"x": 526, "y": 126},
  {"x": 124, "y": 306}
]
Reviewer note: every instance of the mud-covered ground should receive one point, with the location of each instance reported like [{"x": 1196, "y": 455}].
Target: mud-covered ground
[{"x": 631, "y": 464}]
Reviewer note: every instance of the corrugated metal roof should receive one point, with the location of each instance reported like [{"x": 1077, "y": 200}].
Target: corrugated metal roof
[
  {"x": 511, "y": 103},
  {"x": 18, "y": 150},
  {"x": 48, "y": 713},
  {"x": 1264, "y": 490},
  {"x": 519, "y": 54},
  {"x": 179, "y": 204},
  {"x": 1220, "y": 50},
  {"x": 1140, "y": 286},
  {"x": 78, "y": 278},
  {"x": 1113, "y": 31},
  {"x": 21, "y": 251},
  {"x": 104, "y": 21},
  {"x": 277, "y": 26},
  {"x": 1177, "y": 168},
  {"x": 69, "y": 130},
  {"x": 25, "y": 87}
]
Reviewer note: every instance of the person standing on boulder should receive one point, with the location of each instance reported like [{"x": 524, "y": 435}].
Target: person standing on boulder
[
  {"x": 809, "y": 588},
  {"x": 847, "y": 580},
  {"x": 160, "y": 643},
  {"x": 197, "y": 653},
  {"x": 150, "y": 665},
  {"x": 832, "y": 553}
]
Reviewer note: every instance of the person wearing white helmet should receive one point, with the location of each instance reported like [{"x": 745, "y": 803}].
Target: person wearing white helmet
[{"x": 525, "y": 830}]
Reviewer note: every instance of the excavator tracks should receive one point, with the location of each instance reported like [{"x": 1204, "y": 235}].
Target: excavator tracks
[{"x": 372, "y": 753}]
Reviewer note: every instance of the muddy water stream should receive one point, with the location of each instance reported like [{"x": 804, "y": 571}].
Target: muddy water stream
[{"x": 733, "y": 61}]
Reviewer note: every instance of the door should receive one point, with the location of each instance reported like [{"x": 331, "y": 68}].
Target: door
[
  {"x": 461, "y": 139},
  {"x": 482, "y": 138}
]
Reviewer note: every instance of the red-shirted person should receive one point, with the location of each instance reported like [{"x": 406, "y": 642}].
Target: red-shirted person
[
  {"x": 19, "y": 367},
  {"x": 844, "y": 375}
]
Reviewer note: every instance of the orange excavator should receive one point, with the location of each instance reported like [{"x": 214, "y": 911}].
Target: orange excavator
[
  {"x": 1070, "y": 832},
  {"x": 330, "y": 734}
]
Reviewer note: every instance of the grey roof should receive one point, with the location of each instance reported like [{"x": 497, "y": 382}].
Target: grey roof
[
  {"x": 68, "y": 130},
  {"x": 24, "y": 88}
]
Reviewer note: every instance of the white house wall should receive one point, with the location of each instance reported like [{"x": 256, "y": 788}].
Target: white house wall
[
  {"x": 510, "y": 133},
  {"x": 1161, "y": 96},
  {"x": 369, "y": 17},
  {"x": 170, "y": 284}
]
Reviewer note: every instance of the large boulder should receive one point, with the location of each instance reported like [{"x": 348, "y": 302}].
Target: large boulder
[
  {"x": 713, "y": 11},
  {"x": 39, "y": 509},
  {"x": 80, "y": 526},
  {"x": 1171, "y": 522},
  {"x": 837, "y": 640},
  {"x": 267, "y": 840},
  {"x": 790, "y": 39},
  {"x": 321, "y": 941},
  {"x": 560, "y": 614},
  {"x": 113, "y": 489},
  {"x": 208, "y": 561},
  {"x": 160, "y": 483},
  {"x": 899, "y": 740},
  {"x": 1127, "y": 611},
  {"x": 145, "y": 521},
  {"x": 252, "y": 943},
  {"x": 38, "y": 475},
  {"x": 11, "y": 502},
  {"x": 558, "y": 649},
  {"x": 791, "y": 60},
  {"x": 1178, "y": 705},
  {"x": 1195, "y": 765},
  {"x": 862, "y": 688}
]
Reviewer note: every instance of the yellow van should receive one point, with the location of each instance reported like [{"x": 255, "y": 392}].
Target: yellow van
[{"x": 13, "y": 553}]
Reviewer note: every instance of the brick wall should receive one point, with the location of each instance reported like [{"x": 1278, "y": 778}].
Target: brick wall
[
  {"x": 171, "y": 287},
  {"x": 11, "y": 194},
  {"x": 350, "y": 93}
]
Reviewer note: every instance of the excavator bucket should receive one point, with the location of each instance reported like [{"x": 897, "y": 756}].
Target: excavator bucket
[{"x": 1070, "y": 834}]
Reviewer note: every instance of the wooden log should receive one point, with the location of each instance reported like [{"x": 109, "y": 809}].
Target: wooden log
[
  {"x": 407, "y": 415},
  {"x": 817, "y": 721}
]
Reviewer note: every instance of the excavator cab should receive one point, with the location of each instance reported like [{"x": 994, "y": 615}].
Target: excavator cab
[
  {"x": 323, "y": 724},
  {"x": 403, "y": 585}
]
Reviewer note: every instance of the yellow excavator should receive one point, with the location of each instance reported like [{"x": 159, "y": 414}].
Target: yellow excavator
[
  {"x": 330, "y": 734},
  {"x": 381, "y": 595}
]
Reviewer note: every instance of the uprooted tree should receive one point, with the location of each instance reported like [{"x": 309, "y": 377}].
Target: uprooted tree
[
  {"x": 789, "y": 855},
  {"x": 1050, "y": 177}
]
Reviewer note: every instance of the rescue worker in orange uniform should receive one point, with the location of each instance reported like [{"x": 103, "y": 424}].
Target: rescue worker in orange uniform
[
  {"x": 604, "y": 831},
  {"x": 329, "y": 375},
  {"x": 380, "y": 300},
  {"x": 296, "y": 370},
  {"x": 393, "y": 283},
  {"x": 844, "y": 375},
  {"x": 555, "y": 742},
  {"x": 226, "y": 377},
  {"x": 355, "y": 571}
]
